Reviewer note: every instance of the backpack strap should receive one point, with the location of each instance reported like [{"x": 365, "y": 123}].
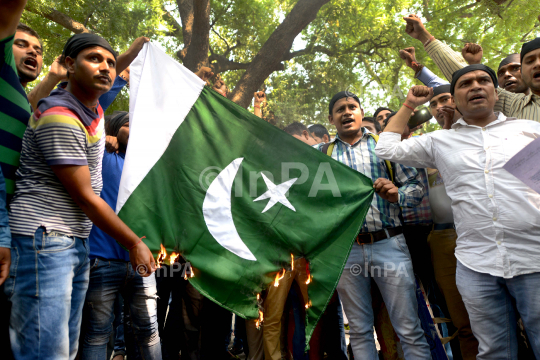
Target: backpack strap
[
  {"x": 328, "y": 148},
  {"x": 389, "y": 164}
]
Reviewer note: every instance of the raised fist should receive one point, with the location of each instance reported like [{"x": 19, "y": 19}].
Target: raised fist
[
  {"x": 419, "y": 95},
  {"x": 415, "y": 28},
  {"x": 205, "y": 73},
  {"x": 259, "y": 97},
  {"x": 408, "y": 55},
  {"x": 472, "y": 53}
]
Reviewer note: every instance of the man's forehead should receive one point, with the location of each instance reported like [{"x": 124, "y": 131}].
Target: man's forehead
[
  {"x": 440, "y": 96},
  {"x": 531, "y": 54},
  {"x": 97, "y": 49},
  {"x": 383, "y": 112},
  {"x": 347, "y": 100},
  {"x": 476, "y": 74},
  {"x": 508, "y": 66},
  {"x": 23, "y": 35}
]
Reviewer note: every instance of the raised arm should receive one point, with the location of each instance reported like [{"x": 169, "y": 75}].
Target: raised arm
[
  {"x": 57, "y": 73},
  {"x": 416, "y": 151},
  {"x": 421, "y": 72},
  {"x": 10, "y": 14}
]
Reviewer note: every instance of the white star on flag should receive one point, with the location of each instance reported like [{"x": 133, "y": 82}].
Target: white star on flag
[{"x": 276, "y": 193}]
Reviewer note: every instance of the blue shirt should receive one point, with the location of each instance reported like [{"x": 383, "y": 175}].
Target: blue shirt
[
  {"x": 102, "y": 245},
  {"x": 5, "y": 233},
  {"x": 106, "y": 99},
  {"x": 361, "y": 157},
  {"x": 428, "y": 78}
]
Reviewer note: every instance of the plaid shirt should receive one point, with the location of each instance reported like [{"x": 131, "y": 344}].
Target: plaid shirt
[
  {"x": 361, "y": 157},
  {"x": 420, "y": 214}
]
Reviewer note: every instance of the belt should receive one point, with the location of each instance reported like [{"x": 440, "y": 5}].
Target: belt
[
  {"x": 373, "y": 237},
  {"x": 443, "y": 226}
]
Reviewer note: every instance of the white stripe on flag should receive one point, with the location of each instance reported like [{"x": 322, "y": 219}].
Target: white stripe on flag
[{"x": 162, "y": 92}]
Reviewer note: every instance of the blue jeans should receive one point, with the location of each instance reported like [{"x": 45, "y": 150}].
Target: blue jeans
[
  {"x": 489, "y": 302},
  {"x": 47, "y": 285},
  {"x": 108, "y": 279},
  {"x": 388, "y": 262}
]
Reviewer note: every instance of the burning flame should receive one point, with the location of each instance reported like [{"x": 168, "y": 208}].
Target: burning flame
[
  {"x": 162, "y": 255},
  {"x": 308, "y": 305},
  {"x": 191, "y": 274},
  {"x": 173, "y": 257},
  {"x": 308, "y": 275},
  {"x": 279, "y": 277},
  {"x": 260, "y": 319},
  {"x": 258, "y": 297},
  {"x": 292, "y": 262}
]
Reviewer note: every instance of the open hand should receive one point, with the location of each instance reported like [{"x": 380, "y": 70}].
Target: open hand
[
  {"x": 142, "y": 260},
  {"x": 472, "y": 53},
  {"x": 419, "y": 95},
  {"x": 386, "y": 189},
  {"x": 137, "y": 45}
]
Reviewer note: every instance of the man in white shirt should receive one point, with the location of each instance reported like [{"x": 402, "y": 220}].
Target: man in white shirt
[{"x": 497, "y": 217}]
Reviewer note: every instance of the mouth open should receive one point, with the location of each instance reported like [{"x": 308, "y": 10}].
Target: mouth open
[
  {"x": 510, "y": 83},
  {"x": 30, "y": 63},
  {"x": 536, "y": 75},
  {"x": 348, "y": 121},
  {"x": 476, "y": 98}
]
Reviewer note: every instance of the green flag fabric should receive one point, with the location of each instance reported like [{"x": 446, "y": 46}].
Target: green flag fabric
[{"x": 234, "y": 195}]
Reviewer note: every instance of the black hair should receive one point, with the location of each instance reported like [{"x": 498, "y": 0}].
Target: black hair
[
  {"x": 27, "y": 29},
  {"x": 295, "y": 128},
  {"x": 319, "y": 131},
  {"x": 372, "y": 120},
  {"x": 381, "y": 109}
]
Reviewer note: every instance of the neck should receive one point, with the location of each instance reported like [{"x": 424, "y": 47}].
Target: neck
[
  {"x": 88, "y": 98},
  {"x": 535, "y": 92},
  {"x": 352, "y": 139},
  {"x": 480, "y": 121},
  {"x": 24, "y": 83}
]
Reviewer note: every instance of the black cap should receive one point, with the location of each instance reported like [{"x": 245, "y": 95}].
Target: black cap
[
  {"x": 341, "y": 95},
  {"x": 79, "y": 42},
  {"x": 470, "y": 68},
  {"x": 529, "y": 46}
]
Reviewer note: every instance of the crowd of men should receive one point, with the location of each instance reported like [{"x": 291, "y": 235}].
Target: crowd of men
[{"x": 445, "y": 210}]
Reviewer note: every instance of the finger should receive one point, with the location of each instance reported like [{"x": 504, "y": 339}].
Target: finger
[{"x": 4, "y": 272}]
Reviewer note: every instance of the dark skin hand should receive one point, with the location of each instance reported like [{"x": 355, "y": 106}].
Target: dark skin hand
[
  {"x": 76, "y": 180},
  {"x": 409, "y": 55},
  {"x": 472, "y": 53},
  {"x": 386, "y": 189},
  {"x": 446, "y": 114},
  {"x": 5, "y": 262}
]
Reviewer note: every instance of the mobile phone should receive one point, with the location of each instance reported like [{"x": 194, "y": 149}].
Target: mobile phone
[{"x": 421, "y": 116}]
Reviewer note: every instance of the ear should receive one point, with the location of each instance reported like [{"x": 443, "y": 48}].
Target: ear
[
  {"x": 496, "y": 95},
  {"x": 452, "y": 100},
  {"x": 362, "y": 110},
  {"x": 70, "y": 64},
  {"x": 305, "y": 134},
  {"x": 325, "y": 139},
  {"x": 330, "y": 119}
]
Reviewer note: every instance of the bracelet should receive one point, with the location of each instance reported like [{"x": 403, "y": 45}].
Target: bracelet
[
  {"x": 257, "y": 106},
  {"x": 131, "y": 248},
  {"x": 429, "y": 40},
  {"x": 404, "y": 104}
]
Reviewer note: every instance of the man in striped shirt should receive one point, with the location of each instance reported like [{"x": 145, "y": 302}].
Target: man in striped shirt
[
  {"x": 519, "y": 105},
  {"x": 380, "y": 251},
  {"x": 56, "y": 200}
]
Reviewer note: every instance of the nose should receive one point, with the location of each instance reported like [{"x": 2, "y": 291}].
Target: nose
[{"x": 104, "y": 67}]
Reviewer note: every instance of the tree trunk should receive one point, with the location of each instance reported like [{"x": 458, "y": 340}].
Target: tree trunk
[
  {"x": 269, "y": 58},
  {"x": 197, "y": 55}
]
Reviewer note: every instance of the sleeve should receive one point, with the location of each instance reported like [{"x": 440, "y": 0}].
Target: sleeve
[
  {"x": 411, "y": 191},
  {"x": 5, "y": 233},
  {"x": 504, "y": 104},
  {"x": 106, "y": 99},
  {"x": 428, "y": 78},
  {"x": 62, "y": 140},
  {"x": 448, "y": 60},
  {"x": 416, "y": 151}
]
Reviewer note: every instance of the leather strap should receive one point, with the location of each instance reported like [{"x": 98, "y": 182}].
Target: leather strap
[{"x": 373, "y": 237}]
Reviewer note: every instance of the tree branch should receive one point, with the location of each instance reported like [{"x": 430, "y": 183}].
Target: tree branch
[
  {"x": 185, "y": 8},
  {"x": 58, "y": 17},
  {"x": 197, "y": 56},
  {"x": 171, "y": 21}
]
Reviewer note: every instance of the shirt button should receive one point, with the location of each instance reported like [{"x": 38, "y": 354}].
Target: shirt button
[
  {"x": 490, "y": 196},
  {"x": 486, "y": 171},
  {"x": 498, "y": 243},
  {"x": 494, "y": 219}
]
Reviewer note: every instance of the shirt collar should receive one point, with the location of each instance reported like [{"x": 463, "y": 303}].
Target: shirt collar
[
  {"x": 500, "y": 118},
  {"x": 364, "y": 134}
]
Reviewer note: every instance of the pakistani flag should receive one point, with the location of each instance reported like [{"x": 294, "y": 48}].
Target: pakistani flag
[{"x": 233, "y": 194}]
